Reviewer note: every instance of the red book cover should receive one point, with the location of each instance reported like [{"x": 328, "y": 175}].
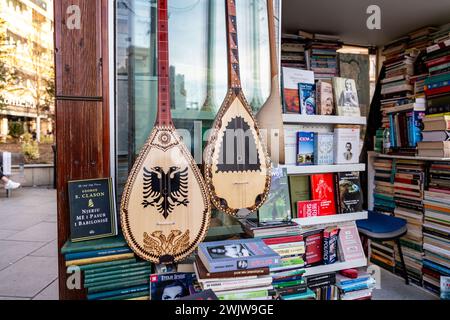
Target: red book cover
[
  {"x": 291, "y": 100},
  {"x": 279, "y": 240},
  {"x": 309, "y": 208},
  {"x": 430, "y": 92},
  {"x": 314, "y": 248},
  {"x": 322, "y": 188}
]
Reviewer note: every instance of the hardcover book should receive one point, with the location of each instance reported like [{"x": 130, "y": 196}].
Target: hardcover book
[
  {"x": 291, "y": 78},
  {"x": 346, "y": 142},
  {"x": 322, "y": 188},
  {"x": 171, "y": 286},
  {"x": 349, "y": 192},
  {"x": 299, "y": 191},
  {"x": 324, "y": 98},
  {"x": 308, "y": 208},
  {"x": 305, "y": 148},
  {"x": 313, "y": 248},
  {"x": 277, "y": 206},
  {"x": 330, "y": 245},
  {"x": 233, "y": 255},
  {"x": 307, "y": 94},
  {"x": 347, "y": 103},
  {"x": 350, "y": 247},
  {"x": 203, "y": 273},
  {"x": 323, "y": 148}
]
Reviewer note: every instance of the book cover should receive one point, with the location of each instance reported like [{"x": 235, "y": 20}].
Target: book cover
[
  {"x": 323, "y": 148},
  {"x": 291, "y": 78},
  {"x": 204, "y": 295},
  {"x": 322, "y": 188},
  {"x": 172, "y": 286},
  {"x": 347, "y": 103},
  {"x": 307, "y": 95},
  {"x": 96, "y": 253},
  {"x": 119, "y": 292},
  {"x": 305, "y": 148},
  {"x": 277, "y": 206},
  {"x": 91, "y": 245},
  {"x": 349, "y": 192},
  {"x": 445, "y": 288},
  {"x": 299, "y": 187},
  {"x": 233, "y": 255},
  {"x": 308, "y": 208},
  {"x": 346, "y": 142},
  {"x": 350, "y": 247},
  {"x": 324, "y": 98},
  {"x": 203, "y": 273},
  {"x": 330, "y": 245},
  {"x": 290, "y": 144},
  {"x": 313, "y": 248}
]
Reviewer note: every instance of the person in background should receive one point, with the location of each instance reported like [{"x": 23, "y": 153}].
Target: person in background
[{"x": 9, "y": 184}]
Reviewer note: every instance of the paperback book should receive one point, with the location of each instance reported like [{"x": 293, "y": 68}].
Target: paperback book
[
  {"x": 349, "y": 192},
  {"x": 322, "y": 189},
  {"x": 172, "y": 286},
  {"x": 305, "y": 148}
]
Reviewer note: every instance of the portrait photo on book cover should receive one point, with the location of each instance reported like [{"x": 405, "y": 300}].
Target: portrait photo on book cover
[
  {"x": 348, "y": 154},
  {"x": 170, "y": 287},
  {"x": 346, "y": 93},
  {"x": 229, "y": 251}
]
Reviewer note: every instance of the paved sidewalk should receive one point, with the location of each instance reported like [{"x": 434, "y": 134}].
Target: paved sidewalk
[{"x": 28, "y": 249}]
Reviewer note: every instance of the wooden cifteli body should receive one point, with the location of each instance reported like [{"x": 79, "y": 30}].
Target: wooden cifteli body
[
  {"x": 237, "y": 168},
  {"x": 165, "y": 210}
]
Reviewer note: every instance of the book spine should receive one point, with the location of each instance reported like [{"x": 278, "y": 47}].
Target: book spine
[
  {"x": 126, "y": 291},
  {"x": 272, "y": 241},
  {"x": 119, "y": 285},
  {"x": 97, "y": 253},
  {"x": 254, "y": 263},
  {"x": 115, "y": 281},
  {"x": 116, "y": 268},
  {"x": 108, "y": 264},
  {"x": 80, "y": 262},
  {"x": 103, "y": 246},
  {"x": 118, "y": 274}
]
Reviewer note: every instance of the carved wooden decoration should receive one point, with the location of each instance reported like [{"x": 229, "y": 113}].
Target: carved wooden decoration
[
  {"x": 165, "y": 211},
  {"x": 237, "y": 168},
  {"x": 270, "y": 118}
]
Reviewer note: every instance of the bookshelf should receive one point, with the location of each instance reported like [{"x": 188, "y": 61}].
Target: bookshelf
[
  {"x": 320, "y": 119},
  {"x": 335, "y": 267},
  {"x": 332, "y": 219},
  {"x": 393, "y": 156},
  {"x": 298, "y": 170}
]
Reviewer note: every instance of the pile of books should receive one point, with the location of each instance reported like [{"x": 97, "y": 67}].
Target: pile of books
[
  {"x": 436, "y": 227},
  {"x": 293, "y": 51},
  {"x": 437, "y": 90},
  {"x": 383, "y": 254},
  {"x": 408, "y": 194},
  {"x": 355, "y": 284},
  {"x": 110, "y": 269},
  {"x": 321, "y": 55},
  {"x": 323, "y": 286},
  {"x": 384, "y": 188},
  {"x": 236, "y": 269}
]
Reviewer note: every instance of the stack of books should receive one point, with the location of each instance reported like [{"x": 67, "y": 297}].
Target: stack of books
[
  {"x": 436, "y": 227},
  {"x": 437, "y": 90},
  {"x": 355, "y": 285},
  {"x": 236, "y": 269},
  {"x": 408, "y": 194},
  {"x": 441, "y": 34},
  {"x": 384, "y": 187},
  {"x": 110, "y": 269},
  {"x": 321, "y": 55},
  {"x": 420, "y": 39},
  {"x": 323, "y": 286},
  {"x": 383, "y": 254},
  {"x": 293, "y": 51}
]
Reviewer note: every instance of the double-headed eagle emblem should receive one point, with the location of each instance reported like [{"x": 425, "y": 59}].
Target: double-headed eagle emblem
[{"x": 165, "y": 190}]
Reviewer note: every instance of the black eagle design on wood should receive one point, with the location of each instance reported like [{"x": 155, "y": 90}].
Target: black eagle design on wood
[{"x": 165, "y": 191}]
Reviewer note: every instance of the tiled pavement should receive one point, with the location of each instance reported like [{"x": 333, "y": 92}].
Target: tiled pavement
[{"x": 28, "y": 250}]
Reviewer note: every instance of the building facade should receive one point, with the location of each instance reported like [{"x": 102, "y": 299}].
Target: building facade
[{"x": 27, "y": 52}]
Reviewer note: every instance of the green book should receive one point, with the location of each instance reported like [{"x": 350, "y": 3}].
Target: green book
[
  {"x": 114, "y": 273},
  {"x": 129, "y": 296},
  {"x": 118, "y": 276},
  {"x": 117, "y": 267},
  {"x": 113, "y": 281},
  {"x": 277, "y": 208},
  {"x": 98, "y": 244},
  {"x": 299, "y": 191},
  {"x": 107, "y": 264},
  {"x": 288, "y": 284},
  {"x": 243, "y": 295},
  {"x": 309, "y": 294},
  {"x": 118, "y": 285}
]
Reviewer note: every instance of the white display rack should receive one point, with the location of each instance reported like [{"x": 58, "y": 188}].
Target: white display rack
[
  {"x": 335, "y": 267},
  {"x": 297, "y": 170},
  {"x": 319, "y": 119},
  {"x": 331, "y": 219}
]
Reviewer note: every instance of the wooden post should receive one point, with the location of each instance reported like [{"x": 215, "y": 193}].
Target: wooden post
[{"x": 82, "y": 106}]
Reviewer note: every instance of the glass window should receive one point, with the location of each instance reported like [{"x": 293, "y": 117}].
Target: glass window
[{"x": 198, "y": 73}]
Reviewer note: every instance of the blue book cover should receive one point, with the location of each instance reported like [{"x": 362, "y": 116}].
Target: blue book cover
[
  {"x": 96, "y": 253},
  {"x": 231, "y": 255},
  {"x": 323, "y": 148},
  {"x": 307, "y": 94},
  {"x": 305, "y": 148},
  {"x": 414, "y": 127},
  {"x": 345, "y": 281}
]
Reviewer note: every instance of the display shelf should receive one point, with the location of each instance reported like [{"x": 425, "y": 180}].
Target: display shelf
[
  {"x": 319, "y": 119},
  {"x": 335, "y": 267},
  {"x": 394, "y": 156},
  {"x": 293, "y": 170},
  {"x": 335, "y": 218}
]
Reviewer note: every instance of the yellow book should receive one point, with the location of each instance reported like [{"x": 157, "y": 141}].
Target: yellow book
[
  {"x": 81, "y": 262},
  {"x": 140, "y": 298},
  {"x": 437, "y": 115}
]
